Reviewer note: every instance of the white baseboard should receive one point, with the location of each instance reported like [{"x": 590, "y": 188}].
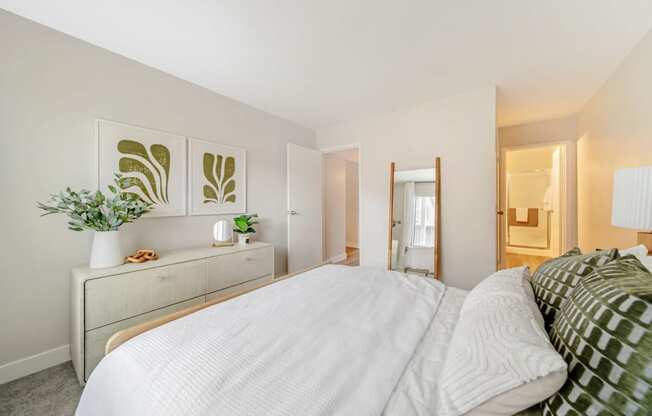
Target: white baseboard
[
  {"x": 354, "y": 245},
  {"x": 37, "y": 362},
  {"x": 337, "y": 259}
]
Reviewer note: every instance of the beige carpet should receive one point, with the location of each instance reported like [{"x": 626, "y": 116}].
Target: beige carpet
[{"x": 51, "y": 392}]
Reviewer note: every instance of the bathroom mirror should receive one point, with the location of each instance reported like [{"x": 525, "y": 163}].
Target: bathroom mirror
[{"x": 414, "y": 242}]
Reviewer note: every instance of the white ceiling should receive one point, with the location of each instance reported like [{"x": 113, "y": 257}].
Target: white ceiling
[{"x": 323, "y": 62}]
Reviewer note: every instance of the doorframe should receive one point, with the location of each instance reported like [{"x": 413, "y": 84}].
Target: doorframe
[
  {"x": 335, "y": 149},
  {"x": 564, "y": 217}
]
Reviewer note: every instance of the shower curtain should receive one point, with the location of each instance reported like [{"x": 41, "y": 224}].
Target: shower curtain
[{"x": 407, "y": 228}]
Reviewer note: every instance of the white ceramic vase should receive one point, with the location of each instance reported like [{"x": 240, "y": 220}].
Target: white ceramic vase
[
  {"x": 243, "y": 239},
  {"x": 106, "y": 250}
]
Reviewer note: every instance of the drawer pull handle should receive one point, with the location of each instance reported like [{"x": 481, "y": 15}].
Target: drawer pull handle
[
  {"x": 164, "y": 277},
  {"x": 248, "y": 258}
]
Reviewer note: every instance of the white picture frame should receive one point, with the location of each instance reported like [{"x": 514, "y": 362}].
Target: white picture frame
[
  {"x": 216, "y": 195},
  {"x": 153, "y": 165}
]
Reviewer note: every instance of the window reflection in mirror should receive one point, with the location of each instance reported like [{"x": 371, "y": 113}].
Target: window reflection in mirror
[{"x": 413, "y": 236}]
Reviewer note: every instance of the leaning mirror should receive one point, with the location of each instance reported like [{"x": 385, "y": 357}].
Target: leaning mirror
[{"x": 414, "y": 220}]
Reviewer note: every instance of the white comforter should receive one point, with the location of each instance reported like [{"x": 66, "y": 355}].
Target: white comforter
[
  {"x": 332, "y": 341},
  {"x": 417, "y": 392}
]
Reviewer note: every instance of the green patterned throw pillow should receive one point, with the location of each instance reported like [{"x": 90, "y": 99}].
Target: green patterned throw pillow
[
  {"x": 555, "y": 279},
  {"x": 603, "y": 332}
]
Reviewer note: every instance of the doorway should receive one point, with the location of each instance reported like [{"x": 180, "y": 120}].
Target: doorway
[
  {"x": 341, "y": 206},
  {"x": 532, "y": 204}
]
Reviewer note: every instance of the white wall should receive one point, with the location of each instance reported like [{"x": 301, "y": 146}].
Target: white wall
[
  {"x": 335, "y": 210},
  {"x": 51, "y": 88},
  {"x": 615, "y": 130},
  {"x": 461, "y": 130},
  {"x": 351, "y": 203}
]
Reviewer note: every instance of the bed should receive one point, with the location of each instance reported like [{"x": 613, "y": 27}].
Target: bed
[{"x": 334, "y": 340}]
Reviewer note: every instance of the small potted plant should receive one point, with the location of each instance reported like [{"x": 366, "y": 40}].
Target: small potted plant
[
  {"x": 243, "y": 226},
  {"x": 102, "y": 214}
]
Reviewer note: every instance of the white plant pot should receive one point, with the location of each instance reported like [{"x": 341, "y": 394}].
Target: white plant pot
[
  {"x": 106, "y": 250},
  {"x": 243, "y": 239}
]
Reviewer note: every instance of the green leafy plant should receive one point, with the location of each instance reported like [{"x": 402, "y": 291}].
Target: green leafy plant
[
  {"x": 243, "y": 224},
  {"x": 220, "y": 174},
  {"x": 95, "y": 211}
]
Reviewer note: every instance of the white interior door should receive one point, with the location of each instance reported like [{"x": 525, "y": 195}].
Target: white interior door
[{"x": 305, "y": 242}]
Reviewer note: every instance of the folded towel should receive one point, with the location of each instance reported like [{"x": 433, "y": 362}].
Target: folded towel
[{"x": 522, "y": 215}]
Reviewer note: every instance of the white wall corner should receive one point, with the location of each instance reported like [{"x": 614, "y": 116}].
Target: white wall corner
[{"x": 35, "y": 363}]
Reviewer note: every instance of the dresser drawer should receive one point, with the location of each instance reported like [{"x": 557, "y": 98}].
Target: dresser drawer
[
  {"x": 113, "y": 298},
  {"x": 233, "y": 290},
  {"x": 225, "y": 271},
  {"x": 96, "y": 339}
]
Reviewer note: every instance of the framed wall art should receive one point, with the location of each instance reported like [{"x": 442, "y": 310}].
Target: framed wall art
[
  {"x": 152, "y": 164},
  {"x": 217, "y": 176}
]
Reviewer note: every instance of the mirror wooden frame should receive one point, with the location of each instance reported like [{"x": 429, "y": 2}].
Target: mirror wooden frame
[{"x": 437, "y": 248}]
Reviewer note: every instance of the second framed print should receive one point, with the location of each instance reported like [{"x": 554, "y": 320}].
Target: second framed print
[{"x": 217, "y": 176}]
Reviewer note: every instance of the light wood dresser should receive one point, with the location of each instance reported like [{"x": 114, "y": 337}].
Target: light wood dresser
[{"x": 104, "y": 301}]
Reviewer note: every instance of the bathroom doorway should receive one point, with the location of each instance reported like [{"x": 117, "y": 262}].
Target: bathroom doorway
[{"x": 533, "y": 199}]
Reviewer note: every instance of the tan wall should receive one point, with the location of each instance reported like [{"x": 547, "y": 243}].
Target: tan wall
[
  {"x": 615, "y": 131},
  {"x": 527, "y": 160},
  {"x": 52, "y": 86}
]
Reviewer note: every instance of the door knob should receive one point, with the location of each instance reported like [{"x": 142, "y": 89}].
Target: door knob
[
  {"x": 500, "y": 212},
  {"x": 292, "y": 212}
]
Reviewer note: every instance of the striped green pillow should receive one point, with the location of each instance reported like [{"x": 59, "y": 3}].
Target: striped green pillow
[
  {"x": 554, "y": 281},
  {"x": 603, "y": 332}
]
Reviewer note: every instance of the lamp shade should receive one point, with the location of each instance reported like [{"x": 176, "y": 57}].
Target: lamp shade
[{"x": 632, "y": 198}]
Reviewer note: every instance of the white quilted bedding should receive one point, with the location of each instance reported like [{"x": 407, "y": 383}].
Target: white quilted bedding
[
  {"x": 416, "y": 393},
  {"x": 333, "y": 341}
]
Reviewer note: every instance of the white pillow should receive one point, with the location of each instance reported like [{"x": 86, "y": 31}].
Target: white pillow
[
  {"x": 500, "y": 360},
  {"x": 647, "y": 262},
  {"x": 639, "y": 251}
]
